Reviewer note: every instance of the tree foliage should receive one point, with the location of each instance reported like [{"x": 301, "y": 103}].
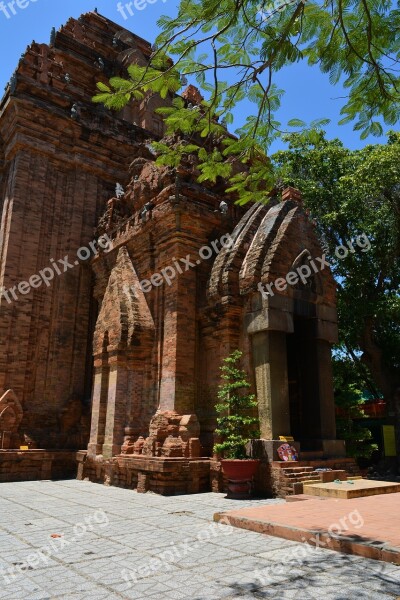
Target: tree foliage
[
  {"x": 236, "y": 424},
  {"x": 353, "y": 194},
  {"x": 349, "y": 398},
  {"x": 234, "y": 48}
]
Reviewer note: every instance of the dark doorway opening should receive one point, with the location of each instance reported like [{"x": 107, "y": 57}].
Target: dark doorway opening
[{"x": 303, "y": 384}]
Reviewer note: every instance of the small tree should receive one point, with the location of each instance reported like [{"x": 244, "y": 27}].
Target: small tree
[
  {"x": 349, "y": 399},
  {"x": 235, "y": 423}
]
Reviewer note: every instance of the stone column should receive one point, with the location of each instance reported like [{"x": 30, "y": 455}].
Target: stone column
[
  {"x": 99, "y": 409},
  {"x": 270, "y": 364},
  {"x": 116, "y": 407}
]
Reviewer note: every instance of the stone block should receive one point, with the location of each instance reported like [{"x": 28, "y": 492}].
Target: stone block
[
  {"x": 328, "y": 476},
  {"x": 334, "y": 448},
  {"x": 268, "y": 450},
  {"x": 359, "y": 488}
]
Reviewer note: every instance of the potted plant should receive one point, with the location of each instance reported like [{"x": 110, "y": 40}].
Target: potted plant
[{"x": 236, "y": 425}]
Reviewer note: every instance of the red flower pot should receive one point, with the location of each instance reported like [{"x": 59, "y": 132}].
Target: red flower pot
[{"x": 239, "y": 473}]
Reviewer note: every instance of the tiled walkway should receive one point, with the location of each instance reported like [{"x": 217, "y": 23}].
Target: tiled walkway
[{"x": 118, "y": 544}]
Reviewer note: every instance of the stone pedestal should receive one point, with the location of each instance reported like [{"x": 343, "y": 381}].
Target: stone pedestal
[
  {"x": 267, "y": 450},
  {"x": 334, "y": 448},
  {"x": 166, "y": 476}
]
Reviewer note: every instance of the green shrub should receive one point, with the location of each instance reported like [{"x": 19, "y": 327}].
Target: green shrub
[{"x": 236, "y": 424}]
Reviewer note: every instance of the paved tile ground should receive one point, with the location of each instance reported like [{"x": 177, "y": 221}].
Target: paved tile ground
[{"x": 119, "y": 544}]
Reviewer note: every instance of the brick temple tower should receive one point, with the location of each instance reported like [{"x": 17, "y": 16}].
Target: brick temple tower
[
  {"x": 60, "y": 159},
  {"x": 179, "y": 290},
  {"x": 118, "y": 349}
]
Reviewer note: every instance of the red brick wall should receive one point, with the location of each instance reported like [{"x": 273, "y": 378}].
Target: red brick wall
[{"x": 58, "y": 173}]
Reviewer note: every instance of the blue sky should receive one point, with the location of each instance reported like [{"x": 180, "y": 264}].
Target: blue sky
[{"x": 308, "y": 92}]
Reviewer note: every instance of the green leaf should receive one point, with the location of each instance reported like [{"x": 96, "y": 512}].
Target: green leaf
[{"x": 296, "y": 123}]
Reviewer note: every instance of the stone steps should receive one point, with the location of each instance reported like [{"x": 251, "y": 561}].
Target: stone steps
[
  {"x": 296, "y": 475},
  {"x": 297, "y": 469},
  {"x": 301, "y": 474},
  {"x": 292, "y": 478}
]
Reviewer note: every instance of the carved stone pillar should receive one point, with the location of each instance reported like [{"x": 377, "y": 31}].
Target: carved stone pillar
[
  {"x": 270, "y": 364},
  {"x": 116, "y": 407},
  {"x": 99, "y": 408}
]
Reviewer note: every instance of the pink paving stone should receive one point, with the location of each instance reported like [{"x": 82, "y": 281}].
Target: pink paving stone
[{"x": 368, "y": 526}]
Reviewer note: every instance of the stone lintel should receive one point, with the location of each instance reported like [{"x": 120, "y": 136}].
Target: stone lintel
[
  {"x": 327, "y": 313},
  {"x": 271, "y": 319},
  {"x": 281, "y": 320},
  {"x": 327, "y": 331}
]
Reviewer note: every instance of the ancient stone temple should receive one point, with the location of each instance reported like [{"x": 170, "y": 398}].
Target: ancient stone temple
[
  {"x": 60, "y": 158},
  {"x": 160, "y": 278}
]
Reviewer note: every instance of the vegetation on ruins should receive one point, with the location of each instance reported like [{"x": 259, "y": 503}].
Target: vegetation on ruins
[
  {"x": 236, "y": 424},
  {"x": 234, "y": 48},
  {"x": 350, "y": 193}
]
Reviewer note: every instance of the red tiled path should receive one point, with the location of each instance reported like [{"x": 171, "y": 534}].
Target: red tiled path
[{"x": 369, "y": 526}]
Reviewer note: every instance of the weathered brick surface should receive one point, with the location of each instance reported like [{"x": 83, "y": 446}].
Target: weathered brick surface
[
  {"x": 166, "y": 476},
  {"x": 56, "y": 174},
  {"x": 36, "y": 464},
  {"x": 143, "y": 358},
  {"x": 277, "y": 479}
]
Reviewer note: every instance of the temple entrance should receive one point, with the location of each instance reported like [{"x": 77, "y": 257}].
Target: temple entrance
[{"x": 303, "y": 384}]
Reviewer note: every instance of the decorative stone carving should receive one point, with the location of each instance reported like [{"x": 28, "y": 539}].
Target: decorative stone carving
[
  {"x": 173, "y": 447},
  {"x": 151, "y": 447},
  {"x": 192, "y": 95},
  {"x": 124, "y": 315},
  {"x": 164, "y": 424},
  {"x": 129, "y": 442},
  {"x": 115, "y": 214},
  {"x": 11, "y": 414},
  {"x": 189, "y": 427},
  {"x": 172, "y": 435},
  {"x": 138, "y": 446}
]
